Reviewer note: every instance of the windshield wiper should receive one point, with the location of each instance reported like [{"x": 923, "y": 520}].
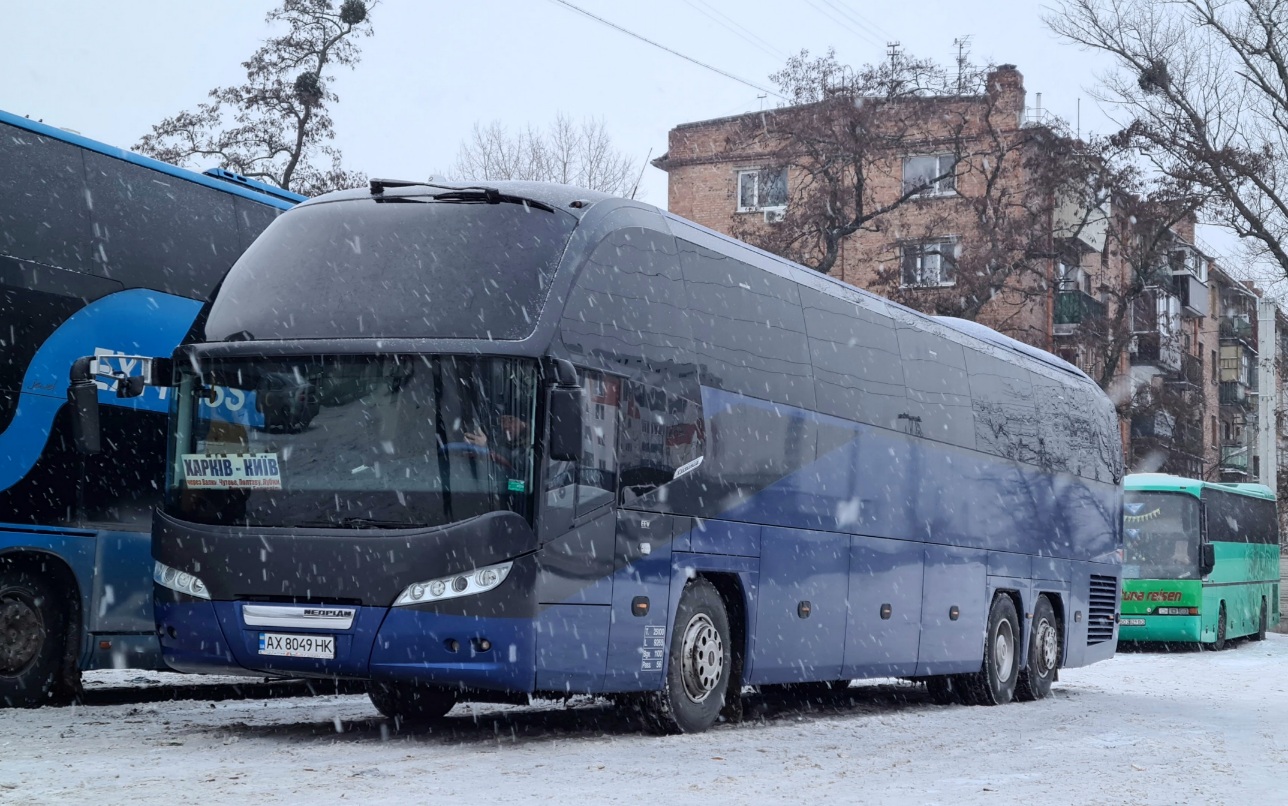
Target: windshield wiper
[
  {"x": 458, "y": 193},
  {"x": 360, "y": 523}
]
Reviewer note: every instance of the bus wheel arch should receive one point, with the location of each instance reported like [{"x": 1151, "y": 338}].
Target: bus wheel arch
[
  {"x": 699, "y": 663},
  {"x": 735, "y": 601},
  {"x": 39, "y": 596}
]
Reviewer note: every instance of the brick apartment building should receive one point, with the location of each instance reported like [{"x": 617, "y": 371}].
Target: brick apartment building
[{"x": 963, "y": 183}]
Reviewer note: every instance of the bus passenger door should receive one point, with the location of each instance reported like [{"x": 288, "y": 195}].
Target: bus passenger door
[{"x": 577, "y": 529}]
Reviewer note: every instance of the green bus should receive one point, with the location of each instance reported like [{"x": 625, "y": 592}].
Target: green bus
[{"x": 1201, "y": 561}]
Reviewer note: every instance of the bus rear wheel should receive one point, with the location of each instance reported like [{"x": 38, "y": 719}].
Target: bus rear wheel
[
  {"x": 1044, "y": 654},
  {"x": 32, "y": 629},
  {"x": 995, "y": 683},
  {"x": 410, "y": 703},
  {"x": 699, "y": 664}
]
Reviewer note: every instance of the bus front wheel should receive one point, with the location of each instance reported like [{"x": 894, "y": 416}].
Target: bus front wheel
[
  {"x": 699, "y": 664},
  {"x": 32, "y": 628},
  {"x": 1044, "y": 654},
  {"x": 407, "y": 702}
]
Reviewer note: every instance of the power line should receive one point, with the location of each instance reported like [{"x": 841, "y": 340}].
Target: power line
[
  {"x": 614, "y": 25},
  {"x": 837, "y": 20},
  {"x": 728, "y": 28},
  {"x": 751, "y": 33},
  {"x": 858, "y": 18}
]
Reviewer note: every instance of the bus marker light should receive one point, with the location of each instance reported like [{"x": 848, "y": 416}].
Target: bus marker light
[
  {"x": 482, "y": 644},
  {"x": 460, "y": 584},
  {"x": 452, "y": 645},
  {"x": 437, "y": 588},
  {"x": 639, "y": 606},
  {"x": 104, "y": 644}
]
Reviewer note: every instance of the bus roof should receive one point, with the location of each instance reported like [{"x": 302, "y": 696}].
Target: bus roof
[
  {"x": 216, "y": 178},
  {"x": 1164, "y": 482}
]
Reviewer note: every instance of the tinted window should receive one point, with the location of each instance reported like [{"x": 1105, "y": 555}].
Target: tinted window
[
  {"x": 43, "y": 205},
  {"x": 1077, "y": 428},
  {"x": 858, "y": 373},
  {"x": 1239, "y": 518},
  {"x": 662, "y": 432},
  {"x": 748, "y": 329},
  {"x": 1005, "y": 412},
  {"x": 159, "y": 231},
  {"x": 427, "y": 269},
  {"x": 252, "y": 219},
  {"x": 628, "y": 305},
  {"x": 934, "y": 370}
]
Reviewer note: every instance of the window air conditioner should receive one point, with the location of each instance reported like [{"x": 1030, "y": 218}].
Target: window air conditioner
[{"x": 774, "y": 215}]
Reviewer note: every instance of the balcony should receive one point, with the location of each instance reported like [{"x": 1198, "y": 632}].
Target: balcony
[
  {"x": 1191, "y": 373},
  {"x": 1235, "y": 393},
  {"x": 1151, "y": 349},
  {"x": 1236, "y": 327},
  {"x": 1193, "y": 294},
  {"x": 1076, "y": 308},
  {"x": 1234, "y": 460},
  {"x": 1153, "y": 425}
]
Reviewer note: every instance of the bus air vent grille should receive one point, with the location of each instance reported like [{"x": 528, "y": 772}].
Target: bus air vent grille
[{"x": 1102, "y": 603}]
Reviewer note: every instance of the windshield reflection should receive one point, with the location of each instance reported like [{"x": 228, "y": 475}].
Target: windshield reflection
[{"x": 1160, "y": 536}]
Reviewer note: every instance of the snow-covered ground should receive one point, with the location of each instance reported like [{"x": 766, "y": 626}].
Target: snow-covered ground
[{"x": 1143, "y": 728}]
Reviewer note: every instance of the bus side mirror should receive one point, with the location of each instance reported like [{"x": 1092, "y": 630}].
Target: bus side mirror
[
  {"x": 565, "y": 423},
  {"x": 1207, "y": 559},
  {"x": 82, "y": 395}
]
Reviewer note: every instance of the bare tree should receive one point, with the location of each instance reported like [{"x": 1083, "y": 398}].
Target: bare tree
[
  {"x": 570, "y": 153},
  {"x": 1205, "y": 86},
  {"x": 276, "y": 127}
]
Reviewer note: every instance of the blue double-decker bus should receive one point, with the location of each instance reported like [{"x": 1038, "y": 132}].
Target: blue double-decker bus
[
  {"x": 560, "y": 443},
  {"x": 103, "y": 253}
]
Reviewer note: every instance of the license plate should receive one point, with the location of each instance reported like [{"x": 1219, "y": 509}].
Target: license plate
[
  {"x": 1132, "y": 622},
  {"x": 297, "y": 646}
]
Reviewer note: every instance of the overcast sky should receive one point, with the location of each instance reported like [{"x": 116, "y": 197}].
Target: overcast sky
[{"x": 109, "y": 70}]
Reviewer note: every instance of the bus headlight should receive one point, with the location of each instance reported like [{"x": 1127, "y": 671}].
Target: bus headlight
[
  {"x": 180, "y": 581},
  {"x": 466, "y": 583}
]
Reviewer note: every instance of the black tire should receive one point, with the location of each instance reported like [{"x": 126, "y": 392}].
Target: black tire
[
  {"x": 1219, "y": 643},
  {"x": 33, "y": 636},
  {"x": 1263, "y": 626},
  {"x": 1035, "y": 679},
  {"x": 699, "y": 664},
  {"x": 410, "y": 703},
  {"x": 995, "y": 683}
]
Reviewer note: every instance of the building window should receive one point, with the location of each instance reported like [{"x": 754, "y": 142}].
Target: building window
[
  {"x": 930, "y": 175},
  {"x": 929, "y": 264},
  {"x": 762, "y": 189}
]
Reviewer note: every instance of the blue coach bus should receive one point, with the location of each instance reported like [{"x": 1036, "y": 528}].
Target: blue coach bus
[
  {"x": 566, "y": 443},
  {"x": 103, "y": 252}
]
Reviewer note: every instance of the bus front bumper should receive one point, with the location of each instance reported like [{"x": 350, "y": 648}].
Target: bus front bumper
[
  {"x": 381, "y": 644},
  {"x": 1178, "y": 629}
]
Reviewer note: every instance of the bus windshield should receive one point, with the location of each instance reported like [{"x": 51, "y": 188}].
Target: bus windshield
[
  {"x": 1160, "y": 536},
  {"x": 352, "y": 442}
]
